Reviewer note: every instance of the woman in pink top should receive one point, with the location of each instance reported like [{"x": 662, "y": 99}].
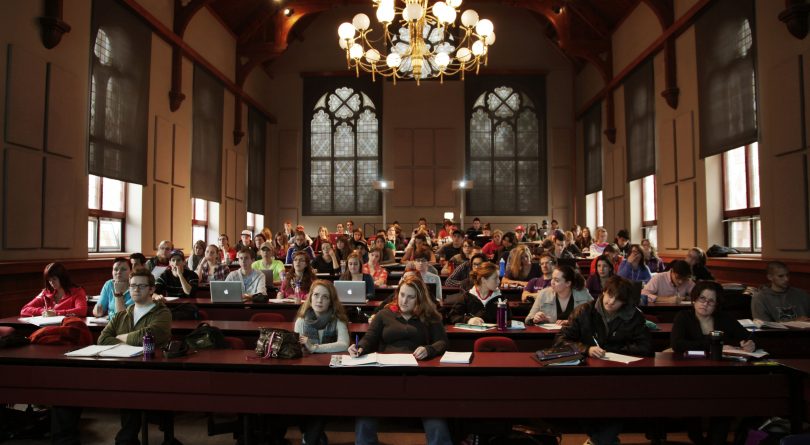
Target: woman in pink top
[
  {"x": 60, "y": 296},
  {"x": 373, "y": 268}
]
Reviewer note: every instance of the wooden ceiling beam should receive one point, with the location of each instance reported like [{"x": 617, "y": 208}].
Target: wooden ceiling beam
[
  {"x": 591, "y": 18},
  {"x": 184, "y": 14},
  {"x": 260, "y": 18}
]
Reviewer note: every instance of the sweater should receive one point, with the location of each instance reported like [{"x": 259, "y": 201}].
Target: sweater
[
  {"x": 74, "y": 301},
  {"x": 688, "y": 336},
  {"x": 546, "y": 302},
  {"x": 769, "y": 305},
  {"x": 391, "y": 332},
  {"x": 158, "y": 321},
  {"x": 340, "y": 345},
  {"x": 626, "y": 333}
]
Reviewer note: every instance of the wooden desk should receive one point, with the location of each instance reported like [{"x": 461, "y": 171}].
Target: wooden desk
[{"x": 510, "y": 384}]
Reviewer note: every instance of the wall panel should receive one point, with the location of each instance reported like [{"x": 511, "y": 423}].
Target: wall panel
[
  {"x": 687, "y": 222},
  {"x": 423, "y": 148},
  {"x": 288, "y": 148},
  {"x": 668, "y": 221},
  {"x": 667, "y": 159},
  {"x": 423, "y": 188},
  {"x": 445, "y": 196},
  {"x": 790, "y": 192},
  {"x": 685, "y": 145},
  {"x": 240, "y": 178},
  {"x": 181, "y": 206},
  {"x": 445, "y": 141},
  {"x": 162, "y": 213},
  {"x": 164, "y": 150},
  {"x": 64, "y": 104},
  {"x": 25, "y": 98},
  {"x": 783, "y": 97},
  {"x": 60, "y": 187},
  {"x": 402, "y": 195},
  {"x": 402, "y": 147},
  {"x": 181, "y": 176},
  {"x": 22, "y": 212}
]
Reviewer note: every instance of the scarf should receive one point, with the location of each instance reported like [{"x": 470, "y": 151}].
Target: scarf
[{"x": 325, "y": 322}]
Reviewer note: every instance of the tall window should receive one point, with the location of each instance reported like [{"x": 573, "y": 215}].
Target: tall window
[
  {"x": 255, "y": 222},
  {"x": 199, "y": 220},
  {"x": 343, "y": 155},
  {"x": 649, "y": 220},
  {"x": 741, "y": 198},
  {"x": 594, "y": 213},
  {"x": 504, "y": 154},
  {"x": 107, "y": 212}
]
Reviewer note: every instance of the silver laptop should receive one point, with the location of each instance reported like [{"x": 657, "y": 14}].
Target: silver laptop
[
  {"x": 226, "y": 291},
  {"x": 351, "y": 291}
]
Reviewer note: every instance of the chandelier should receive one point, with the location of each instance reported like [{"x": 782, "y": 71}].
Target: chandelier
[{"x": 417, "y": 41}]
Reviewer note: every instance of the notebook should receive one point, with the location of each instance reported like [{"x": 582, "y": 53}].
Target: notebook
[
  {"x": 351, "y": 291},
  {"x": 373, "y": 359},
  {"x": 121, "y": 350},
  {"x": 226, "y": 291}
]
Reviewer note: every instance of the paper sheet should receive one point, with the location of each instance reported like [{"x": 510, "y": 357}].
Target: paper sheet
[
  {"x": 550, "y": 326},
  {"x": 759, "y": 353},
  {"x": 456, "y": 357},
  {"x": 44, "y": 321},
  {"x": 621, "y": 358}
]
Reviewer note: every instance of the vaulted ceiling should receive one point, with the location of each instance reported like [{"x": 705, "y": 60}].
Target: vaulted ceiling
[{"x": 581, "y": 28}]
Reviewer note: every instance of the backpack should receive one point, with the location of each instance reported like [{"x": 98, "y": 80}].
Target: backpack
[
  {"x": 72, "y": 332},
  {"x": 720, "y": 251},
  {"x": 185, "y": 311},
  {"x": 206, "y": 337}
]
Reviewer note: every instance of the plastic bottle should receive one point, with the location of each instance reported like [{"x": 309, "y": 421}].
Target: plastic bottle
[
  {"x": 501, "y": 313},
  {"x": 297, "y": 291},
  {"x": 716, "y": 345},
  {"x": 502, "y": 265},
  {"x": 148, "y": 345}
]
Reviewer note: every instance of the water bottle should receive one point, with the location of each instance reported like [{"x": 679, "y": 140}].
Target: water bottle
[
  {"x": 716, "y": 345},
  {"x": 297, "y": 291},
  {"x": 501, "y": 311},
  {"x": 148, "y": 345},
  {"x": 342, "y": 266},
  {"x": 502, "y": 265},
  {"x": 282, "y": 275}
]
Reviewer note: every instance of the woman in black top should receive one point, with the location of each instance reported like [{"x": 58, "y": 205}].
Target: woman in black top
[
  {"x": 480, "y": 304},
  {"x": 696, "y": 258}
]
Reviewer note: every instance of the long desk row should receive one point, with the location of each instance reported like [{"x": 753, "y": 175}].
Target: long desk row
[
  {"x": 508, "y": 385},
  {"x": 792, "y": 343}
]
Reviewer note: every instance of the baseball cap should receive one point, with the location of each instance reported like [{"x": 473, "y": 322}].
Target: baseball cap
[
  {"x": 520, "y": 228},
  {"x": 247, "y": 232}
]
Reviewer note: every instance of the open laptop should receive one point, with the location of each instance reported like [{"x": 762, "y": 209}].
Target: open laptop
[
  {"x": 351, "y": 291},
  {"x": 226, "y": 291}
]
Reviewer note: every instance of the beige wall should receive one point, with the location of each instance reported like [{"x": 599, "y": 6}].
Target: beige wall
[
  {"x": 689, "y": 190},
  {"x": 423, "y": 127}
]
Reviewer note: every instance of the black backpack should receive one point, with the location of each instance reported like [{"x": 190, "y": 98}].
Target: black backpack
[
  {"x": 720, "y": 251},
  {"x": 206, "y": 337}
]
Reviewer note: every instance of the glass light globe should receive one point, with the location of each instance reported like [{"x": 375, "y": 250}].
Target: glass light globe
[
  {"x": 442, "y": 60},
  {"x": 361, "y": 22},
  {"x": 356, "y": 51},
  {"x": 413, "y": 11},
  {"x": 484, "y": 27},
  {"x": 478, "y": 48},
  {"x": 372, "y": 56},
  {"x": 438, "y": 11},
  {"x": 346, "y": 31},
  {"x": 450, "y": 15},
  {"x": 387, "y": 3},
  {"x": 385, "y": 14},
  {"x": 490, "y": 39},
  {"x": 393, "y": 60},
  {"x": 454, "y": 3},
  {"x": 342, "y": 43},
  {"x": 463, "y": 54},
  {"x": 469, "y": 18}
]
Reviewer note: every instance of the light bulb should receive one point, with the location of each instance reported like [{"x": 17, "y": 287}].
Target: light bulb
[
  {"x": 413, "y": 11},
  {"x": 484, "y": 27},
  {"x": 346, "y": 31},
  {"x": 490, "y": 39},
  {"x": 356, "y": 51},
  {"x": 449, "y": 15},
  {"x": 478, "y": 48},
  {"x": 385, "y": 14},
  {"x": 393, "y": 60},
  {"x": 342, "y": 43},
  {"x": 442, "y": 60},
  {"x": 454, "y": 3},
  {"x": 439, "y": 11},
  {"x": 463, "y": 54},
  {"x": 372, "y": 56},
  {"x": 361, "y": 22},
  {"x": 469, "y": 18}
]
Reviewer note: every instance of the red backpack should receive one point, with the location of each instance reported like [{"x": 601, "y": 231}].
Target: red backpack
[{"x": 72, "y": 332}]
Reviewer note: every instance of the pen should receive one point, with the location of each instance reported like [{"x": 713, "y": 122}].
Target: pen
[
  {"x": 356, "y": 340},
  {"x": 596, "y": 342}
]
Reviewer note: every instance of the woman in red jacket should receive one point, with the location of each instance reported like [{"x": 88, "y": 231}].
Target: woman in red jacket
[{"x": 60, "y": 296}]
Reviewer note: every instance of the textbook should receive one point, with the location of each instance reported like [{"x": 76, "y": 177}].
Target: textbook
[
  {"x": 373, "y": 359},
  {"x": 736, "y": 351},
  {"x": 121, "y": 350},
  {"x": 44, "y": 321},
  {"x": 456, "y": 357},
  {"x": 747, "y": 323},
  {"x": 475, "y": 327}
]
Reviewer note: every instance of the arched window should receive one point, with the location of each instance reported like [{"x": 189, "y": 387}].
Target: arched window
[
  {"x": 342, "y": 154},
  {"x": 505, "y": 154}
]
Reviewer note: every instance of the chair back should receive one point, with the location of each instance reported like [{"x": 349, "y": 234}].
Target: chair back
[{"x": 495, "y": 344}]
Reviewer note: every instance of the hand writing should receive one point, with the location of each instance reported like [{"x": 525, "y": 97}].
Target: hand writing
[
  {"x": 596, "y": 352},
  {"x": 420, "y": 353},
  {"x": 539, "y": 317}
]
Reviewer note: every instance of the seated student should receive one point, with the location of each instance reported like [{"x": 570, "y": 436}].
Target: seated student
[
  {"x": 599, "y": 244},
  {"x": 373, "y": 268},
  {"x": 161, "y": 259},
  {"x": 453, "y": 248},
  {"x": 177, "y": 281},
  {"x": 633, "y": 267},
  {"x": 623, "y": 242},
  {"x": 228, "y": 253},
  {"x": 612, "y": 252},
  {"x": 696, "y": 258},
  {"x": 129, "y": 327},
  {"x": 253, "y": 281},
  {"x": 269, "y": 262},
  {"x": 245, "y": 240},
  {"x": 354, "y": 272},
  {"x": 651, "y": 257},
  {"x": 584, "y": 241},
  {"x": 197, "y": 255},
  {"x": 258, "y": 241},
  {"x": 475, "y": 230},
  {"x": 410, "y": 324},
  {"x": 672, "y": 286},
  {"x": 297, "y": 282},
  {"x": 508, "y": 242},
  {"x": 535, "y": 285},
  {"x": 323, "y": 237},
  {"x": 327, "y": 261},
  {"x": 533, "y": 234},
  {"x": 115, "y": 292},
  {"x": 280, "y": 245},
  {"x": 460, "y": 276},
  {"x": 447, "y": 230},
  {"x": 520, "y": 234},
  {"x": 420, "y": 264},
  {"x": 520, "y": 269},
  {"x": 300, "y": 245},
  {"x": 418, "y": 244},
  {"x": 556, "y": 303},
  {"x": 479, "y": 305},
  {"x": 467, "y": 250},
  {"x": 323, "y": 328},
  {"x": 561, "y": 250},
  {"x": 596, "y": 281},
  {"x": 342, "y": 249},
  {"x": 138, "y": 261},
  {"x": 357, "y": 238},
  {"x": 779, "y": 301},
  {"x": 59, "y": 297},
  {"x": 491, "y": 248},
  {"x": 211, "y": 268},
  {"x": 387, "y": 254},
  {"x": 571, "y": 245},
  {"x": 612, "y": 323}
]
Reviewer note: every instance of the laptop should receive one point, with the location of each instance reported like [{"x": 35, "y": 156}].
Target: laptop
[
  {"x": 226, "y": 291},
  {"x": 351, "y": 291}
]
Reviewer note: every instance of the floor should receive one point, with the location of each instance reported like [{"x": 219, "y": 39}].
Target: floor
[{"x": 99, "y": 427}]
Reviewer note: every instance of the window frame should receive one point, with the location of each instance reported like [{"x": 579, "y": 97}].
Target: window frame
[
  {"x": 747, "y": 214},
  {"x": 98, "y": 214},
  {"x": 653, "y": 222},
  {"x": 200, "y": 222}
]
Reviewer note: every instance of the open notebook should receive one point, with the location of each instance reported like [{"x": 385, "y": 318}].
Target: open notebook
[
  {"x": 373, "y": 359},
  {"x": 120, "y": 350}
]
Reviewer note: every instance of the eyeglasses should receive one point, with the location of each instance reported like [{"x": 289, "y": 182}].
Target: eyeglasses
[
  {"x": 706, "y": 301},
  {"x": 139, "y": 286}
]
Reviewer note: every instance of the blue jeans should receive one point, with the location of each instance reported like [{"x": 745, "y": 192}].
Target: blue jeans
[{"x": 436, "y": 431}]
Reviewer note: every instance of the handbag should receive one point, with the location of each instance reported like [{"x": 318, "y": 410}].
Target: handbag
[
  {"x": 278, "y": 343},
  {"x": 206, "y": 336},
  {"x": 175, "y": 348}
]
